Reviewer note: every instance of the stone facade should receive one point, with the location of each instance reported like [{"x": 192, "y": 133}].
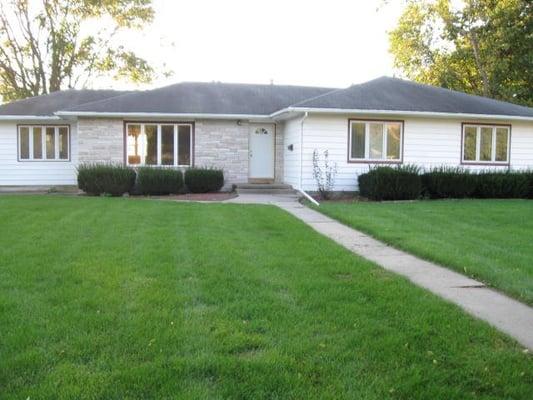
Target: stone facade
[
  {"x": 217, "y": 143},
  {"x": 100, "y": 140},
  {"x": 222, "y": 144}
]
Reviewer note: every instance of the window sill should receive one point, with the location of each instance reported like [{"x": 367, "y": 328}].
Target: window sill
[
  {"x": 359, "y": 161},
  {"x": 487, "y": 163}
]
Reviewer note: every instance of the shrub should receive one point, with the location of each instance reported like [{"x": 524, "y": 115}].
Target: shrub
[
  {"x": 324, "y": 175},
  {"x": 113, "y": 179},
  {"x": 156, "y": 181},
  {"x": 203, "y": 180},
  {"x": 387, "y": 183},
  {"x": 529, "y": 178},
  {"x": 448, "y": 182},
  {"x": 501, "y": 185}
]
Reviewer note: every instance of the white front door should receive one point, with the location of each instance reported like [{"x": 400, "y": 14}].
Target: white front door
[{"x": 261, "y": 153}]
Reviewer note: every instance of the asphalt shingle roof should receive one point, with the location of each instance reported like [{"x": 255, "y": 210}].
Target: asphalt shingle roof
[
  {"x": 392, "y": 94},
  {"x": 48, "y": 104},
  {"x": 206, "y": 98},
  {"x": 384, "y": 94}
]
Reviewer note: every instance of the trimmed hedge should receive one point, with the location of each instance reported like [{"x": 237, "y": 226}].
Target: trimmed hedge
[
  {"x": 387, "y": 183},
  {"x": 448, "y": 182},
  {"x": 159, "y": 181},
  {"x": 203, "y": 180},
  {"x": 400, "y": 183},
  {"x": 112, "y": 179}
]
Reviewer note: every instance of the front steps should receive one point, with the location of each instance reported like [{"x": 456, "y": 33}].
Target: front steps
[{"x": 264, "y": 188}]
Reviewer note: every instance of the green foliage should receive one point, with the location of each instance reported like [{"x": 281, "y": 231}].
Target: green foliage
[
  {"x": 448, "y": 182},
  {"x": 110, "y": 179},
  {"x": 504, "y": 185},
  {"x": 387, "y": 183},
  {"x": 203, "y": 180},
  {"x": 484, "y": 47},
  {"x": 54, "y": 45},
  {"x": 157, "y": 181},
  {"x": 106, "y": 298},
  {"x": 487, "y": 239}
]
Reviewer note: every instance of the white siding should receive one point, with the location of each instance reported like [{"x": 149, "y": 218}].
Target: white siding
[
  {"x": 291, "y": 159},
  {"x": 45, "y": 173},
  {"x": 427, "y": 143}
]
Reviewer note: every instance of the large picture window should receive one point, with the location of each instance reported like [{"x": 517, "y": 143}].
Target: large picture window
[
  {"x": 43, "y": 143},
  {"x": 375, "y": 141},
  {"x": 484, "y": 144},
  {"x": 165, "y": 144}
]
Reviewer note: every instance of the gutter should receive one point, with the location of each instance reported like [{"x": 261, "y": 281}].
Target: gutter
[
  {"x": 300, "y": 188},
  {"x": 160, "y": 115},
  {"x": 29, "y": 117},
  {"x": 400, "y": 113}
]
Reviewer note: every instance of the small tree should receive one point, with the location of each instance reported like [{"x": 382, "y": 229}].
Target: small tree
[{"x": 324, "y": 175}]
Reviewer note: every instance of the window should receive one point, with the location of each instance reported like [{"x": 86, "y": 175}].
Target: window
[
  {"x": 485, "y": 144},
  {"x": 43, "y": 143},
  {"x": 375, "y": 141},
  {"x": 164, "y": 144}
]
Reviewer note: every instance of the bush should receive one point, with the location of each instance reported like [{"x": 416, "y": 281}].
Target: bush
[
  {"x": 529, "y": 177},
  {"x": 113, "y": 179},
  {"x": 448, "y": 182},
  {"x": 203, "y": 180},
  {"x": 387, "y": 183},
  {"x": 491, "y": 185},
  {"x": 157, "y": 181}
]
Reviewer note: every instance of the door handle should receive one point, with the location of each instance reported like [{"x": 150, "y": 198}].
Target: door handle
[{"x": 250, "y": 154}]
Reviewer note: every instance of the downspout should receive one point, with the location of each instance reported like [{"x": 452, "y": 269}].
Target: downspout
[{"x": 300, "y": 189}]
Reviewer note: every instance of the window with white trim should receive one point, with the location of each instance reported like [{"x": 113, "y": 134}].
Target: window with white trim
[
  {"x": 486, "y": 144},
  {"x": 43, "y": 143},
  {"x": 163, "y": 144},
  {"x": 375, "y": 141}
]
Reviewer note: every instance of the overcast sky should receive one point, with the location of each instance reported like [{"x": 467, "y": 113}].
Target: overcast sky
[{"x": 331, "y": 43}]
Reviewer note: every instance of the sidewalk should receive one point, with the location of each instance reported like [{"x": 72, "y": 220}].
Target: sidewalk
[{"x": 502, "y": 312}]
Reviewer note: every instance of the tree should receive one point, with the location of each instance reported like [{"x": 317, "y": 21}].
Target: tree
[
  {"x": 483, "y": 47},
  {"x": 50, "y": 45}
]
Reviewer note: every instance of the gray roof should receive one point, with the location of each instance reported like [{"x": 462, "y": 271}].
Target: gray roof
[
  {"x": 48, "y": 104},
  {"x": 384, "y": 94},
  {"x": 206, "y": 98},
  {"x": 392, "y": 94}
]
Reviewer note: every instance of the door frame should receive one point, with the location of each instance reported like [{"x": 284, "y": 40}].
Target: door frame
[{"x": 274, "y": 135}]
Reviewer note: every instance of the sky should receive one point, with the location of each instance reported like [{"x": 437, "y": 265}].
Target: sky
[{"x": 330, "y": 43}]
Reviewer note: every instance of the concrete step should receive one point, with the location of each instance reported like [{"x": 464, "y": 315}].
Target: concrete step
[
  {"x": 264, "y": 191},
  {"x": 263, "y": 188}
]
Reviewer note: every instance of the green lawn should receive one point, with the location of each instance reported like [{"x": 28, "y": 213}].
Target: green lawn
[
  {"x": 491, "y": 240},
  {"x": 105, "y": 298}
]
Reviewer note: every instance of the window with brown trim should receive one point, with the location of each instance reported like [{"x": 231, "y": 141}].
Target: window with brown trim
[
  {"x": 43, "y": 143},
  {"x": 163, "y": 144},
  {"x": 486, "y": 144},
  {"x": 375, "y": 141}
]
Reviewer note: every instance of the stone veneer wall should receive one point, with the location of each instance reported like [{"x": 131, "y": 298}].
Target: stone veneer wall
[
  {"x": 217, "y": 143},
  {"x": 100, "y": 140}
]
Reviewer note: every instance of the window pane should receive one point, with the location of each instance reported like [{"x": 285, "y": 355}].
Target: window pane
[
  {"x": 376, "y": 141},
  {"x": 63, "y": 143},
  {"x": 470, "y": 143},
  {"x": 24, "y": 143},
  {"x": 393, "y": 141},
  {"x": 485, "y": 145},
  {"x": 50, "y": 143},
  {"x": 133, "y": 144},
  {"x": 167, "y": 143},
  {"x": 502, "y": 136},
  {"x": 184, "y": 145},
  {"x": 358, "y": 140},
  {"x": 37, "y": 143},
  {"x": 150, "y": 137}
]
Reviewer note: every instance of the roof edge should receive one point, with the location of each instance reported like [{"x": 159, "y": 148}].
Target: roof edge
[
  {"x": 158, "y": 115},
  {"x": 399, "y": 112},
  {"x": 29, "y": 117}
]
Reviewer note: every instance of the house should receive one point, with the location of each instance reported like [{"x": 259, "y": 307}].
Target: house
[{"x": 261, "y": 133}]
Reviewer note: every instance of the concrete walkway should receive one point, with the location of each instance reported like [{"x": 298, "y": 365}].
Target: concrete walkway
[{"x": 507, "y": 315}]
